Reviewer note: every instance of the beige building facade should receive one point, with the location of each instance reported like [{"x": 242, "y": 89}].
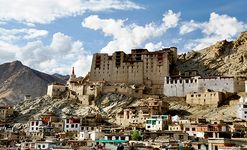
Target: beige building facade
[
  {"x": 5, "y": 112},
  {"x": 55, "y": 90},
  {"x": 175, "y": 127},
  {"x": 76, "y": 89},
  {"x": 139, "y": 67},
  {"x": 204, "y": 98},
  {"x": 137, "y": 115}
]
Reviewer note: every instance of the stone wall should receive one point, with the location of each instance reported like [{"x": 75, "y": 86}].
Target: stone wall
[
  {"x": 182, "y": 86},
  {"x": 55, "y": 90},
  {"x": 126, "y": 90}
]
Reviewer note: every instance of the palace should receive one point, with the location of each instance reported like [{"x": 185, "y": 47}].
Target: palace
[{"x": 141, "y": 67}]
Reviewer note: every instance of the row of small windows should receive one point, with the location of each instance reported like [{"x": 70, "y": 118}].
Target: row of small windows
[
  {"x": 205, "y": 95},
  {"x": 181, "y": 81},
  {"x": 187, "y": 81},
  {"x": 41, "y": 146},
  {"x": 72, "y": 126},
  {"x": 34, "y": 128}
]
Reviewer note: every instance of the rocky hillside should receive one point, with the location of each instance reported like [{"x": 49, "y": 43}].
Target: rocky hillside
[
  {"x": 110, "y": 104},
  {"x": 17, "y": 80},
  {"x": 222, "y": 58}
]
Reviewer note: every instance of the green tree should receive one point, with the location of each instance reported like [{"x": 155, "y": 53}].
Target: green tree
[{"x": 135, "y": 135}]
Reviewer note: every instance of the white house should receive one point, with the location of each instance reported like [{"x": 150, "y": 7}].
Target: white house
[
  {"x": 37, "y": 145},
  {"x": 156, "y": 122},
  {"x": 34, "y": 125},
  {"x": 242, "y": 107},
  {"x": 192, "y": 131},
  {"x": 72, "y": 124},
  {"x": 44, "y": 145},
  {"x": 117, "y": 137},
  {"x": 90, "y": 135}
]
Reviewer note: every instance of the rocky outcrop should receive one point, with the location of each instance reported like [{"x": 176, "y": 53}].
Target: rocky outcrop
[
  {"x": 222, "y": 58},
  {"x": 107, "y": 105},
  {"x": 17, "y": 80}
]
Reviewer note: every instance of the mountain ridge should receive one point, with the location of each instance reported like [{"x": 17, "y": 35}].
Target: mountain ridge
[
  {"x": 18, "y": 80},
  {"x": 224, "y": 58}
]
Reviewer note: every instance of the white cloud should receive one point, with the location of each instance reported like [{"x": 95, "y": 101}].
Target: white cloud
[
  {"x": 34, "y": 33},
  {"x": 45, "y": 11},
  {"x": 126, "y": 37},
  {"x": 57, "y": 57},
  {"x": 188, "y": 27},
  {"x": 153, "y": 47},
  {"x": 20, "y": 34},
  {"x": 219, "y": 27},
  {"x": 171, "y": 19},
  {"x": 223, "y": 26},
  {"x": 7, "y": 51}
]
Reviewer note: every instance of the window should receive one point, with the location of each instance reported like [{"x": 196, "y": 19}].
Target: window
[
  {"x": 32, "y": 128},
  {"x": 67, "y": 126},
  {"x": 76, "y": 125},
  {"x": 37, "y": 123},
  {"x": 72, "y": 126},
  {"x": 43, "y": 146},
  {"x": 193, "y": 129}
]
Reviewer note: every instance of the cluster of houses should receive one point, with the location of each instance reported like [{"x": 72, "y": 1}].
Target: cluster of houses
[{"x": 156, "y": 131}]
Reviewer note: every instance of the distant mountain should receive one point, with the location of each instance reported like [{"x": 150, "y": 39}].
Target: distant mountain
[
  {"x": 63, "y": 77},
  {"x": 223, "y": 58},
  {"x": 17, "y": 80}
]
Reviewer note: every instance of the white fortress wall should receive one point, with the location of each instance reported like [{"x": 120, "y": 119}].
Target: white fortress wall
[{"x": 217, "y": 84}]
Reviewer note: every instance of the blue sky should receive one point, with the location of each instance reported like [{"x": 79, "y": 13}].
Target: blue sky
[{"x": 54, "y": 35}]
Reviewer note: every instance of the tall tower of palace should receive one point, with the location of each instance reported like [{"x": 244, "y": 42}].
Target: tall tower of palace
[{"x": 72, "y": 76}]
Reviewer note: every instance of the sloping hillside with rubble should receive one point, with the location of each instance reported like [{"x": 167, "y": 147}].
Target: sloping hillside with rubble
[{"x": 110, "y": 104}]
